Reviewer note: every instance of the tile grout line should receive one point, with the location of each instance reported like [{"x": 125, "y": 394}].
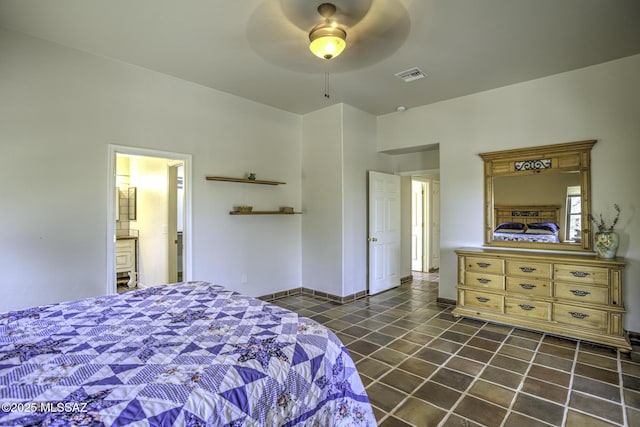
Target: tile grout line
[
  {"x": 408, "y": 356},
  {"x": 621, "y": 388},
  {"x": 530, "y": 364},
  {"x": 571, "y": 389},
  {"x": 464, "y": 394},
  {"x": 390, "y": 413}
]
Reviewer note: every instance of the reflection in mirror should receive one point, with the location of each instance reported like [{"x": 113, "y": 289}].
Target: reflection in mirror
[
  {"x": 133, "y": 199},
  {"x": 552, "y": 189}
]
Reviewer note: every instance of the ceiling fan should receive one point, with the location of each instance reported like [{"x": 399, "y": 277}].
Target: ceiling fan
[
  {"x": 283, "y": 32},
  {"x": 327, "y": 39}
]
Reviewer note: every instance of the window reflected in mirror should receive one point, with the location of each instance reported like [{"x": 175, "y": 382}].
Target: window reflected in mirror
[{"x": 573, "y": 232}]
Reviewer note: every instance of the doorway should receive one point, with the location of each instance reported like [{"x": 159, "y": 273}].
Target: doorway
[
  {"x": 425, "y": 223},
  {"x": 158, "y": 229},
  {"x": 175, "y": 199}
]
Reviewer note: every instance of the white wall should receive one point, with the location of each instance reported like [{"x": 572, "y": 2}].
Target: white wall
[
  {"x": 416, "y": 162},
  {"x": 360, "y": 156},
  {"x": 149, "y": 176},
  {"x": 599, "y": 102},
  {"x": 59, "y": 110},
  {"x": 322, "y": 200},
  {"x": 339, "y": 147}
]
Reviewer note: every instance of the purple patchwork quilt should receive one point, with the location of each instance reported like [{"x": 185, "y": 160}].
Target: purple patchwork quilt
[
  {"x": 525, "y": 237},
  {"x": 189, "y": 354}
]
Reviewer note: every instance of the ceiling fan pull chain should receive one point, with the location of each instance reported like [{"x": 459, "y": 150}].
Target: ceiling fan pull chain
[{"x": 326, "y": 86}]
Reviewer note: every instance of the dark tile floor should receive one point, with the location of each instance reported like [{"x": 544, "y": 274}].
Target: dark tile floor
[{"x": 423, "y": 367}]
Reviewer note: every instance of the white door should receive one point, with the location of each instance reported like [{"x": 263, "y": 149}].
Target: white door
[
  {"x": 417, "y": 225},
  {"x": 435, "y": 226},
  {"x": 384, "y": 231}
]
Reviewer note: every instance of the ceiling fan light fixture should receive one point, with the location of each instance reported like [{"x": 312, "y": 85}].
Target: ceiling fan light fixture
[{"x": 327, "y": 41}]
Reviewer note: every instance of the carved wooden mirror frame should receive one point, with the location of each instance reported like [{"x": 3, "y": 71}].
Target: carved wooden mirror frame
[{"x": 568, "y": 157}]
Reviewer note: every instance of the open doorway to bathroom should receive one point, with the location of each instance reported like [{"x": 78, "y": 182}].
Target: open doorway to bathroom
[{"x": 150, "y": 218}]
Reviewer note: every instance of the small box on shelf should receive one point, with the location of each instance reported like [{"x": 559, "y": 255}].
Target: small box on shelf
[{"x": 243, "y": 209}]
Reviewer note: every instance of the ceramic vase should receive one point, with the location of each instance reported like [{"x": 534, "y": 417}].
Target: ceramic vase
[{"x": 607, "y": 244}]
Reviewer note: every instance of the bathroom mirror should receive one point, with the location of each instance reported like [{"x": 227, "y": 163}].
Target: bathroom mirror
[
  {"x": 132, "y": 196},
  {"x": 539, "y": 197}
]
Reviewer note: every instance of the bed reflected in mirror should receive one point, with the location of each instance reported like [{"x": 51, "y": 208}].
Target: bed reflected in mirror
[{"x": 552, "y": 198}]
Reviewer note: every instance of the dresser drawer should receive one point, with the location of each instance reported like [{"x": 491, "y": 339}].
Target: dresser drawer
[
  {"x": 484, "y": 301},
  {"x": 581, "y": 274},
  {"x": 482, "y": 280},
  {"x": 582, "y": 293},
  {"x": 580, "y": 316},
  {"x": 485, "y": 265},
  {"x": 526, "y": 286},
  {"x": 528, "y": 269},
  {"x": 527, "y": 308}
]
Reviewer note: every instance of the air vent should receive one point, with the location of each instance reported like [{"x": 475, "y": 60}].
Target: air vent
[{"x": 411, "y": 75}]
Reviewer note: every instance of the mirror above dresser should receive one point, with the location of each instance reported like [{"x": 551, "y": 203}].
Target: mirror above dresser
[{"x": 539, "y": 197}]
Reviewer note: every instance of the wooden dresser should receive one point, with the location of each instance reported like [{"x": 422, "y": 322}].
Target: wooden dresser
[{"x": 575, "y": 296}]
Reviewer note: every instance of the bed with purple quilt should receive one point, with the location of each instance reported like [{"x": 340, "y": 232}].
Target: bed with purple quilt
[
  {"x": 527, "y": 223},
  {"x": 189, "y": 354},
  {"x": 540, "y": 232}
]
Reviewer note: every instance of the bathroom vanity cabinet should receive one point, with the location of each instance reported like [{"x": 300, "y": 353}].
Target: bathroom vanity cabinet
[{"x": 127, "y": 259}]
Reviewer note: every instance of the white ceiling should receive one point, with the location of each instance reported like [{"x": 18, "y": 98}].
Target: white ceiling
[{"x": 251, "y": 48}]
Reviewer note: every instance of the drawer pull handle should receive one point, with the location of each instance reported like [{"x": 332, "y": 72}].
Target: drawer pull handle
[
  {"x": 579, "y": 293},
  {"x": 580, "y": 273},
  {"x": 483, "y": 264},
  {"x": 526, "y": 307},
  {"x": 527, "y": 286},
  {"x": 527, "y": 269},
  {"x": 483, "y": 280},
  {"x": 578, "y": 315},
  {"x": 482, "y": 299}
]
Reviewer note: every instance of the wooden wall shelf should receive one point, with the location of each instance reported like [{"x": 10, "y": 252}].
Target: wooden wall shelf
[
  {"x": 263, "y": 213},
  {"x": 244, "y": 180}
]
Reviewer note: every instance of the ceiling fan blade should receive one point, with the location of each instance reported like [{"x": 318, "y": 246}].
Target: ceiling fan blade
[
  {"x": 381, "y": 32},
  {"x": 277, "y": 40},
  {"x": 304, "y": 14}
]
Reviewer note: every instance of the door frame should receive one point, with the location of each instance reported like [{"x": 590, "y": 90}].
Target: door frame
[
  {"x": 112, "y": 151},
  {"x": 434, "y": 227},
  {"x": 421, "y": 240},
  {"x": 172, "y": 220},
  {"x": 428, "y": 176}
]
